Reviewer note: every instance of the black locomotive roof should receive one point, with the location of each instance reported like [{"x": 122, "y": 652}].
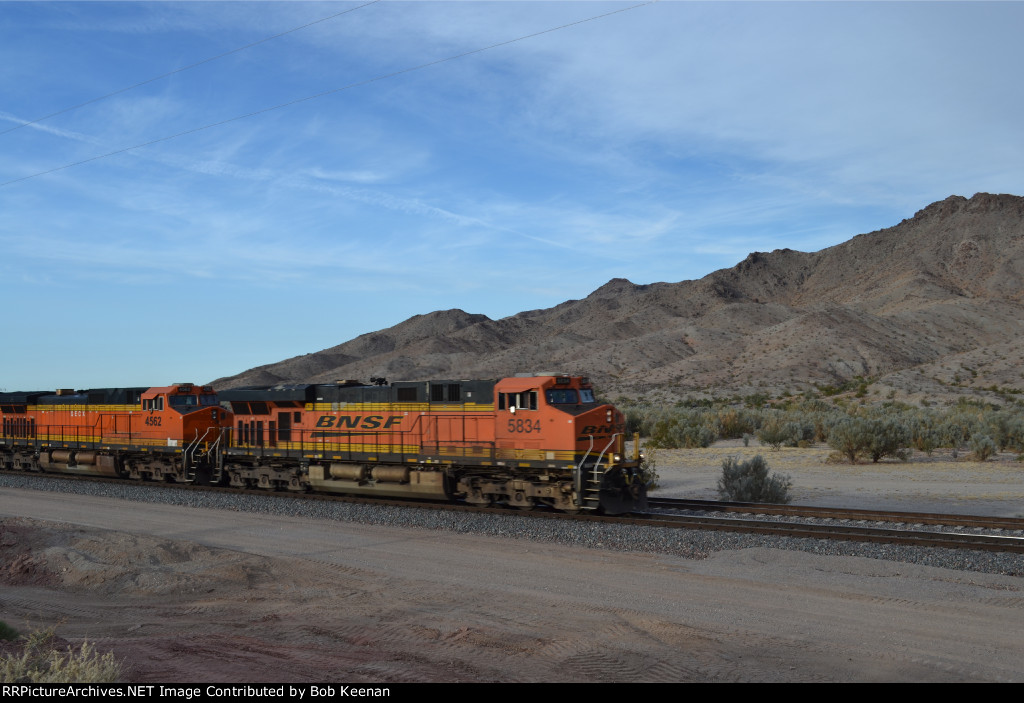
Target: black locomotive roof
[
  {"x": 96, "y": 396},
  {"x": 93, "y": 396},
  {"x": 301, "y": 392},
  {"x": 22, "y": 397},
  {"x": 350, "y": 392}
]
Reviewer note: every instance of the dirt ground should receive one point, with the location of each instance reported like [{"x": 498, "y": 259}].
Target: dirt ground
[
  {"x": 190, "y": 595},
  {"x": 936, "y": 483}
]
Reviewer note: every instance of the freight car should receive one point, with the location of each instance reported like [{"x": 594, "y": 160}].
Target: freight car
[{"x": 522, "y": 441}]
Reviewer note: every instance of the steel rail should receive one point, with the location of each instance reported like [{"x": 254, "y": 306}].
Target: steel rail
[
  {"x": 808, "y": 511},
  {"x": 883, "y": 535}
]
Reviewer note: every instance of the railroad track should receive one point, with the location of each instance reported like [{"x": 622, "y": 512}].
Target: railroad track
[
  {"x": 836, "y": 531},
  {"x": 805, "y": 511},
  {"x": 790, "y": 521}
]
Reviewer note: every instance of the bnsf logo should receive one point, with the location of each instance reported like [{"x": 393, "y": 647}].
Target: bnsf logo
[
  {"x": 353, "y": 422},
  {"x": 597, "y": 430}
]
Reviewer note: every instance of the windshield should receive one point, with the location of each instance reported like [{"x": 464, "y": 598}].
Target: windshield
[
  {"x": 563, "y": 396},
  {"x": 186, "y": 402}
]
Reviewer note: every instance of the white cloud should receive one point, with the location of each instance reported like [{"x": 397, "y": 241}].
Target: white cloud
[{"x": 657, "y": 144}]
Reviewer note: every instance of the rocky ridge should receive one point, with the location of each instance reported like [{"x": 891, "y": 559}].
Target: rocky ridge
[{"x": 928, "y": 309}]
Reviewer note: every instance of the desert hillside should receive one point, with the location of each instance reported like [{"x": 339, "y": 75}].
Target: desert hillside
[{"x": 926, "y": 310}]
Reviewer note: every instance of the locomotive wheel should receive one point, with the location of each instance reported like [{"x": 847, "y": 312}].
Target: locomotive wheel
[{"x": 521, "y": 501}]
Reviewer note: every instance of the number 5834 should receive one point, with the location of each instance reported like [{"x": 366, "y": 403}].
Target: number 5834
[{"x": 522, "y": 425}]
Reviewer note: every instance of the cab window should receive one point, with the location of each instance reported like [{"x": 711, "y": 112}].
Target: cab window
[
  {"x": 526, "y": 400},
  {"x": 183, "y": 401},
  {"x": 563, "y": 396}
]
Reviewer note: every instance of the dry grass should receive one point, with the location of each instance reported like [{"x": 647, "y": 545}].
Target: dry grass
[{"x": 42, "y": 660}]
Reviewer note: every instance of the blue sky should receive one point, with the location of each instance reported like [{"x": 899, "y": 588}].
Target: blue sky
[{"x": 657, "y": 144}]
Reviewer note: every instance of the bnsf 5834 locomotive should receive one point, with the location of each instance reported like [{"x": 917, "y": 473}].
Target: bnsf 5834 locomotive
[{"x": 523, "y": 441}]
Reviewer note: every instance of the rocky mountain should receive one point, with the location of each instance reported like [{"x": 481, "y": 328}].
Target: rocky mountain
[{"x": 932, "y": 307}]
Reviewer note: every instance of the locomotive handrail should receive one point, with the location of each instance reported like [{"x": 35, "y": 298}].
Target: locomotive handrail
[
  {"x": 584, "y": 459},
  {"x": 577, "y": 473},
  {"x": 191, "y": 447},
  {"x": 601, "y": 456},
  {"x": 216, "y": 442},
  {"x": 597, "y": 463}
]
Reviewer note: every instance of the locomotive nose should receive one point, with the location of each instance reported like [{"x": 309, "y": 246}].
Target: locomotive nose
[
  {"x": 600, "y": 436},
  {"x": 599, "y": 423}
]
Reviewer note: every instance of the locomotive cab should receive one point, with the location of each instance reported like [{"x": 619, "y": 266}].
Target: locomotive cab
[
  {"x": 181, "y": 411},
  {"x": 560, "y": 416}
]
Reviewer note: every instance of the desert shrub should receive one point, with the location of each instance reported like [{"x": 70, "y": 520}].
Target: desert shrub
[
  {"x": 682, "y": 428},
  {"x": 773, "y": 433},
  {"x": 733, "y": 424},
  {"x": 953, "y": 433},
  {"x": 997, "y": 428},
  {"x": 1005, "y": 428},
  {"x": 7, "y": 632},
  {"x": 799, "y": 433},
  {"x": 856, "y": 433},
  {"x": 983, "y": 447},
  {"x": 634, "y": 421},
  {"x": 850, "y": 436},
  {"x": 689, "y": 437},
  {"x": 1015, "y": 434},
  {"x": 926, "y": 441},
  {"x": 888, "y": 437},
  {"x": 649, "y": 467},
  {"x": 755, "y": 401},
  {"x": 41, "y": 661},
  {"x": 749, "y": 482},
  {"x": 924, "y": 437}
]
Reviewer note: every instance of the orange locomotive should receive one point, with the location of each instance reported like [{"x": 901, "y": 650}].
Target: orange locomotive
[
  {"x": 523, "y": 441},
  {"x": 169, "y": 433}
]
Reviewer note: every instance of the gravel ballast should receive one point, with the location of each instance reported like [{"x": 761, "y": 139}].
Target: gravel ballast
[{"x": 695, "y": 544}]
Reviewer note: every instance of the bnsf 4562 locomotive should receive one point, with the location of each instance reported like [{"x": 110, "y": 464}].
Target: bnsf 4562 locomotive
[
  {"x": 171, "y": 433},
  {"x": 523, "y": 441}
]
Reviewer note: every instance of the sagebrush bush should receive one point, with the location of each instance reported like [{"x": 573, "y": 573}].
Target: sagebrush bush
[
  {"x": 733, "y": 424},
  {"x": 749, "y": 482},
  {"x": 857, "y": 433},
  {"x": 983, "y": 447},
  {"x": 773, "y": 433},
  {"x": 850, "y": 436},
  {"x": 649, "y": 467},
  {"x": 7, "y": 632},
  {"x": 40, "y": 661},
  {"x": 681, "y": 431},
  {"x": 889, "y": 437}
]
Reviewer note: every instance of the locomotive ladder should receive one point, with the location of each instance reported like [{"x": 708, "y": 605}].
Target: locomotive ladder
[
  {"x": 595, "y": 477},
  {"x": 590, "y": 495}
]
